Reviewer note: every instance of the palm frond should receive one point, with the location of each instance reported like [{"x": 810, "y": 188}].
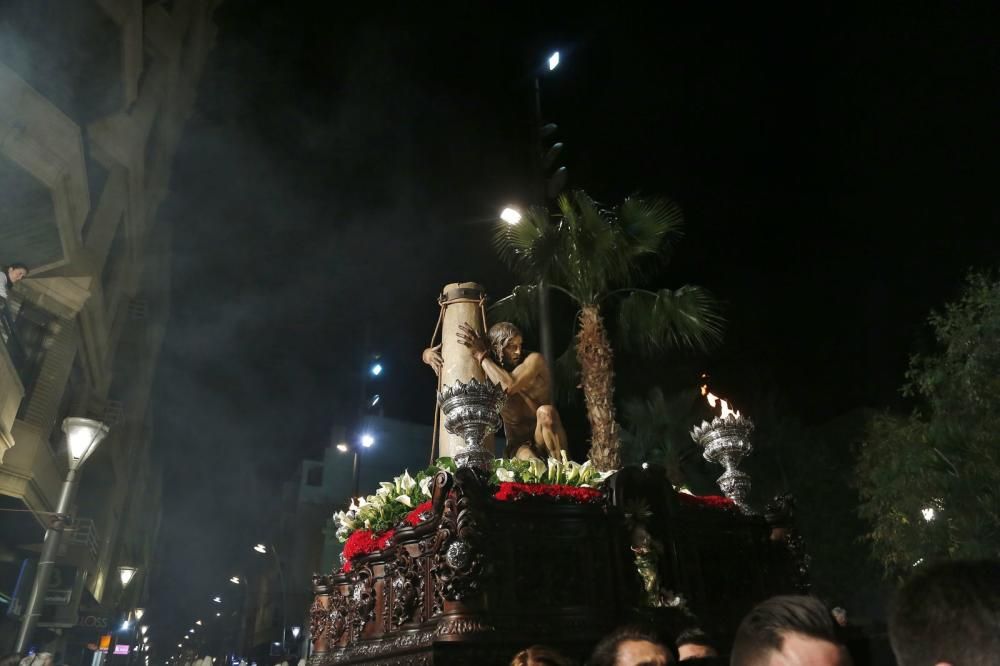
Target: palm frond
[
  {"x": 519, "y": 307},
  {"x": 650, "y": 224},
  {"x": 529, "y": 246},
  {"x": 689, "y": 317}
]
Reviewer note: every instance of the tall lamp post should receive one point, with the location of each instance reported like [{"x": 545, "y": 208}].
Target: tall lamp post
[
  {"x": 82, "y": 438},
  {"x": 262, "y": 549}
]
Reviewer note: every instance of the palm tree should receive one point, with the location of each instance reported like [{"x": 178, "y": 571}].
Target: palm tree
[{"x": 594, "y": 256}]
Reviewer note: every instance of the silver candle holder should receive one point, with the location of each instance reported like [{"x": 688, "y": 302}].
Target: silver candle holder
[
  {"x": 726, "y": 440},
  {"x": 472, "y": 411}
]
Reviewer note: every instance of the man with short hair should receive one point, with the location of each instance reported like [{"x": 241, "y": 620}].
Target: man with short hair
[
  {"x": 630, "y": 646},
  {"x": 694, "y": 643},
  {"x": 948, "y": 615},
  {"x": 788, "y": 631}
]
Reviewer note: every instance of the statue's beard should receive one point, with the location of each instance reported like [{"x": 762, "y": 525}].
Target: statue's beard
[{"x": 509, "y": 364}]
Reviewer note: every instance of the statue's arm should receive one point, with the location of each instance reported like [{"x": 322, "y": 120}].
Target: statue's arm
[{"x": 522, "y": 376}]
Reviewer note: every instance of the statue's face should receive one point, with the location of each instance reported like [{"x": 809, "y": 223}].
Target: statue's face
[{"x": 513, "y": 353}]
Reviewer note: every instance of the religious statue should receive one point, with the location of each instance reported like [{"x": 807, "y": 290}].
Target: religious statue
[{"x": 531, "y": 423}]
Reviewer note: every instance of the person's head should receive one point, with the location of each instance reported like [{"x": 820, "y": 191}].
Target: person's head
[
  {"x": 948, "y": 614},
  {"x": 16, "y": 272},
  {"x": 694, "y": 643},
  {"x": 630, "y": 646},
  {"x": 540, "y": 655},
  {"x": 788, "y": 630},
  {"x": 506, "y": 344},
  {"x": 839, "y": 615}
]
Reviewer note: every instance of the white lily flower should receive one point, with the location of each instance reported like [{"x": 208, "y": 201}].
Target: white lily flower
[
  {"x": 406, "y": 482},
  {"x": 362, "y": 503},
  {"x": 504, "y": 474},
  {"x": 537, "y": 468},
  {"x": 354, "y": 507},
  {"x": 425, "y": 485},
  {"x": 601, "y": 476},
  {"x": 405, "y": 499},
  {"x": 553, "y": 470},
  {"x": 368, "y": 524},
  {"x": 572, "y": 471},
  {"x": 383, "y": 492},
  {"x": 376, "y": 501}
]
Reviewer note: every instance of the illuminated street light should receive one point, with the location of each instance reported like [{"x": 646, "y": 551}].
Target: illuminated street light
[
  {"x": 375, "y": 400},
  {"x": 376, "y": 369},
  {"x": 125, "y": 625},
  {"x": 139, "y": 612},
  {"x": 235, "y": 580},
  {"x": 510, "y": 215},
  {"x": 367, "y": 440},
  {"x": 143, "y": 629},
  {"x": 198, "y": 622},
  {"x": 343, "y": 447},
  {"x": 126, "y": 574},
  {"x": 217, "y": 600},
  {"x": 295, "y": 632},
  {"x": 553, "y": 60},
  {"x": 218, "y": 615}
]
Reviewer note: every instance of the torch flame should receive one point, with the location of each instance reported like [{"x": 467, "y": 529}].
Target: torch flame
[{"x": 714, "y": 400}]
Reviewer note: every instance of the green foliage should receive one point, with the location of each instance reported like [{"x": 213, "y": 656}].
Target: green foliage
[
  {"x": 657, "y": 430},
  {"x": 590, "y": 253},
  {"x": 944, "y": 456}
]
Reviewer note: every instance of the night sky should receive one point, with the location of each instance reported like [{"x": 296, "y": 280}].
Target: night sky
[{"x": 837, "y": 172}]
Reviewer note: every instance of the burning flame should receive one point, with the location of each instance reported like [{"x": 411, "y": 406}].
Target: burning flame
[{"x": 714, "y": 400}]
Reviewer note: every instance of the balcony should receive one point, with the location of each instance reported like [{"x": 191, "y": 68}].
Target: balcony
[{"x": 12, "y": 363}]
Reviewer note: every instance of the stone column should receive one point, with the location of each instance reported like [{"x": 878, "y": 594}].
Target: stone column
[{"x": 462, "y": 302}]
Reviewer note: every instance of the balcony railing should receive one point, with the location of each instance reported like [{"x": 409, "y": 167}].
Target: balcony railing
[{"x": 83, "y": 533}]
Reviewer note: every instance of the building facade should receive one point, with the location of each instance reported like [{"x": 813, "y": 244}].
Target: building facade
[{"x": 94, "y": 95}]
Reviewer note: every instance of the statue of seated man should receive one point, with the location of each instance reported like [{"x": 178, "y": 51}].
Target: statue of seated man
[{"x": 530, "y": 421}]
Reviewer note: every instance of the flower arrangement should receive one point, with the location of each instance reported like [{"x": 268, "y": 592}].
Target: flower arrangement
[{"x": 406, "y": 498}]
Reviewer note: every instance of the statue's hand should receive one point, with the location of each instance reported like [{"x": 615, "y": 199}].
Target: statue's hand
[
  {"x": 476, "y": 343},
  {"x": 432, "y": 357}
]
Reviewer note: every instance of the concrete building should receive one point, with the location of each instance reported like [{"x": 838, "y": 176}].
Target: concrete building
[{"x": 94, "y": 95}]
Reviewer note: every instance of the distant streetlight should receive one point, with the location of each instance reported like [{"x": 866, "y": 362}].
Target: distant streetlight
[
  {"x": 375, "y": 400},
  {"x": 198, "y": 622},
  {"x": 553, "y": 60},
  {"x": 139, "y": 612},
  {"x": 82, "y": 438},
  {"x": 376, "y": 369},
  {"x": 218, "y": 615},
  {"x": 510, "y": 215},
  {"x": 125, "y": 626},
  {"x": 261, "y": 548},
  {"x": 295, "y": 632},
  {"x": 126, "y": 574},
  {"x": 217, "y": 600},
  {"x": 235, "y": 580},
  {"x": 367, "y": 440},
  {"x": 343, "y": 447},
  {"x": 143, "y": 629}
]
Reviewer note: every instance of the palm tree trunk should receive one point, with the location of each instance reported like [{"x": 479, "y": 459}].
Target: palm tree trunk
[{"x": 597, "y": 380}]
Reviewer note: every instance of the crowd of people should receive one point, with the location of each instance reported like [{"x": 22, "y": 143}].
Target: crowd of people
[{"x": 946, "y": 615}]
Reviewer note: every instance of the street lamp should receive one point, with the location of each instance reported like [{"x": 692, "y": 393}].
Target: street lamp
[
  {"x": 217, "y": 600},
  {"x": 235, "y": 580},
  {"x": 82, "y": 438},
  {"x": 138, "y": 613},
  {"x": 510, "y": 215},
  {"x": 143, "y": 629},
  {"x": 126, "y": 574},
  {"x": 553, "y": 60},
  {"x": 367, "y": 440}
]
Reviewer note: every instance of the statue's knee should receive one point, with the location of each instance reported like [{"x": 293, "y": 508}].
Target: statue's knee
[{"x": 546, "y": 415}]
